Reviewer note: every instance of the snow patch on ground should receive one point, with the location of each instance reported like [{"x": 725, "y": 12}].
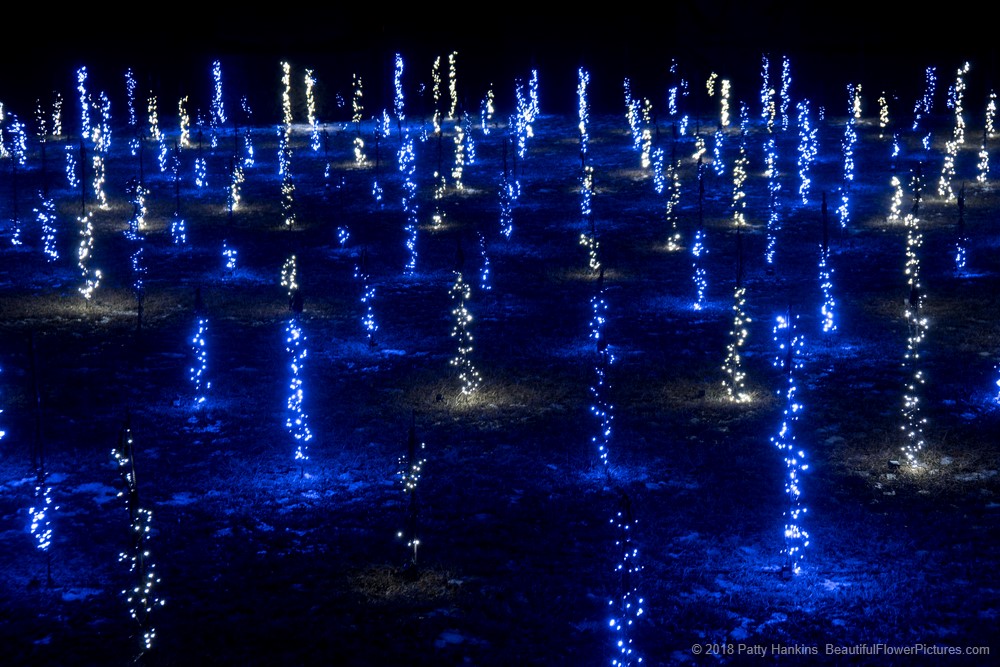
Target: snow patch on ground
[
  {"x": 182, "y": 498},
  {"x": 102, "y": 492},
  {"x": 72, "y": 594}
]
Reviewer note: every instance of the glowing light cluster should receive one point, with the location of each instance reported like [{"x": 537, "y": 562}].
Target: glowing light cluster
[
  {"x": 134, "y": 234},
  {"x": 583, "y": 77},
  {"x": 991, "y": 114},
  {"x": 602, "y": 409},
  {"x": 200, "y": 166},
  {"x": 41, "y": 121},
  {"x": 452, "y": 84},
  {"x": 923, "y": 106},
  {"x": 91, "y": 277},
  {"x": 632, "y": 115},
  {"x": 229, "y": 257},
  {"x": 698, "y": 251},
  {"x": 883, "y": 115},
  {"x": 198, "y": 373},
  {"x": 673, "y": 179},
  {"x": 46, "y": 215},
  {"x": 101, "y": 135},
  {"x": 470, "y": 141},
  {"x": 468, "y": 376},
  {"x": 154, "y": 120},
  {"x": 533, "y": 106},
  {"x": 236, "y": 180},
  {"x": 897, "y": 199},
  {"x": 855, "y": 91},
  {"x": 718, "y": 142},
  {"x": 627, "y": 608},
  {"x": 440, "y": 189},
  {"x": 786, "y": 83},
  {"x": 847, "y": 146},
  {"x": 407, "y": 168},
  {"x": 133, "y": 121},
  {"x": 527, "y": 110},
  {"x": 659, "y": 177},
  {"x": 289, "y": 277},
  {"x": 184, "y": 121},
  {"x": 40, "y": 523},
  {"x": 178, "y": 228},
  {"x": 957, "y": 137},
  {"x": 314, "y": 142},
  {"x": 913, "y": 419},
  {"x": 297, "y": 422},
  {"x": 162, "y": 153},
  {"x": 773, "y": 200},
  {"x": 81, "y": 88},
  {"x": 138, "y": 273},
  {"x": 962, "y": 242},
  {"x": 18, "y": 140},
  {"x": 140, "y": 597},
  {"x": 983, "y": 165},
  {"x": 4, "y": 153},
  {"x": 828, "y": 309},
  {"x": 484, "y": 272},
  {"x": 411, "y": 468},
  {"x": 700, "y": 149},
  {"x": 510, "y": 190},
  {"x": 57, "y": 103},
  {"x": 808, "y": 147},
  {"x": 357, "y": 106},
  {"x": 457, "y": 168},
  {"x": 646, "y": 136},
  {"x": 724, "y": 103},
  {"x": 789, "y": 360},
  {"x": 588, "y": 238},
  {"x": 285, "y": 148},
  {"x": 700, "y": 273},
  {"x": 436, "y": 94},
  {"x": 368, "y": 323},
  {"x": 397, "y": 99},
  {"x": 137, "y": 221},
  {"x": 739, "y": 194},
  {"x": 247, "y": 134},
  {"x": 768, "y": 108},
  {"x": 217, "y": 117},
  {"x": 486, "y": 110},
  {"x": 672, "y": 91},
  {"x": 734, "y": 377}
]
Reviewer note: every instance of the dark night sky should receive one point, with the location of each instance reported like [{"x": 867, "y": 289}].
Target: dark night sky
[{"x": 828, "y": 48}]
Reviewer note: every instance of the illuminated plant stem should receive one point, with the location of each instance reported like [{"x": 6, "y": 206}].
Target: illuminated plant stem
[
  {"x": 368, "y": 324},
  {"x": 957, "y": 138},
  {"x": 41, "y": 524},
  {"x": 916, "y": 323},
  {"x": 411, "y": 469},
  {"x": 733, "y": 374},
  {"x": 788, "y": 360},
  {"x": 461, "y": 292},
  {"x": 827, "y": 310},
  {"x": 627, "y": 606},
  {"x": 139, "y": 596},
  {"x": 297, "y": 421},
  {"x": 698, "y": 250},
  {"x": 962, "y": 242},
  {"x": 773, "y": 202}
]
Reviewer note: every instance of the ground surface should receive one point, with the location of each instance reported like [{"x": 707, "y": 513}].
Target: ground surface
[{"x": 264, "y": 561}]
